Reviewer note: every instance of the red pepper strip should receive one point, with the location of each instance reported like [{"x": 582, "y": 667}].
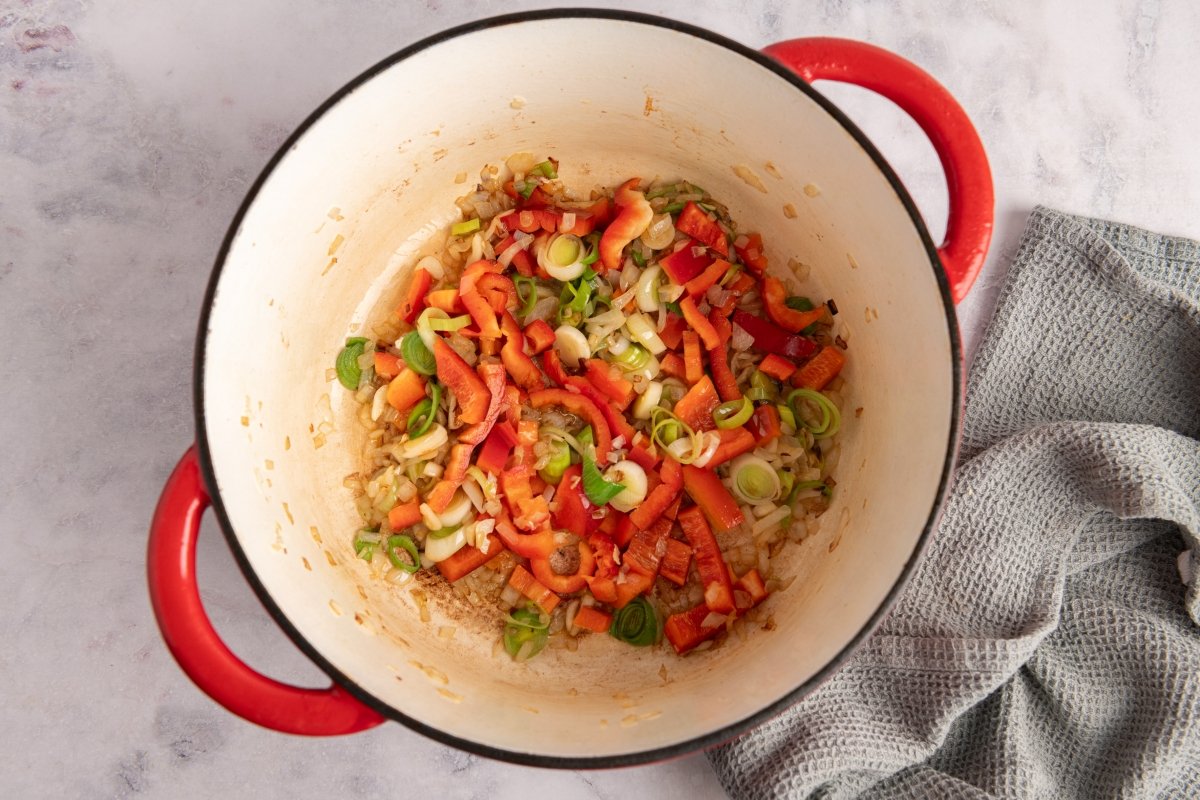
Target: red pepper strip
[
  {"x": 671, "y": 364},
  {"x": 387, "y": 365},
  {"x": 721, "y": 325},
  {"x": 751, "y": 253},
  {"x": 482, "y": 312},
  {"x": 498, "y": 290},
  {"x": 723, "y": 377},
  {"x": 635, "y": 583},
  {"x": 632, "y": 219},
  {"x": 554, "y": 367},
  {"x": 685, "y": 632},
  {"x": 823, "y": 368},
  {"x": 495, "y": 380},
  {"x": 660, "y": 499},
  {"x": 696, "y": 407},
  {"x": 566, "y": 509},
  {"x": 700, "y": 284},
  {"x": 696, "y": 223},
  {"x": 521, "y": 260},
  {"x": 734, "y": 442},
  {"x": 739, "y": 287},
  {"x": 641, "y": 453},
  {"x": 675, "y": 563},
  {"x": 539, "y": 336},
  {"x": 625, "y": 531},
  {"x": 405, "y": 515},
  {"x": 445, "y": 299},
  {"x": 773, "y": 339},
  {"x": 494, "y": 453},
  {"x": 672, "y": 511},
  {"x": 714, "y": 573},
  {"x": 472, "y": 395},
  {"x": 587, "y": 219},
  {"x": 751, "y": 585},
  {"x": 474, "y": 271},
  {"x": 516, "y": 360},
  {"x": 672, "y": 332},
  {"x": 648, "y": 547},
  {"x": 514, "y": 401},
  {"x": 712, "y": 498},
  {"x": 532, "y": 588},
  {"x": 604, "y": 588},
  {"x": 609, "y": 380},
  {"x": 527, "y": 545},
  {"x": 775, "y": 302},
  {"x": 406, "y": 390},
  {"x": 693, "y": 367},
  {"x": 685, "y": 263},
  {"x": 699, "y": 323},
  {"x": 537, "y": 198},
  {"x": 468, "y": 559},
  {"x": 414, "y": 301},
  {"x": 617, "y": 424},
  {"x": 777, "y": 367},
  {"x": 531, "y": 219},
  {"x": 591, "y": 619},
  {"x": 765, "y": 424},
  {"x": 566, "y": 584},
  {"x": 442, "y": 493},
  {"x": 583, "y": 407}
]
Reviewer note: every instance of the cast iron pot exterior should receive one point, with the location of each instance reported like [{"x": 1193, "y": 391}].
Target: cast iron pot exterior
[{"x": 322, "y": 246}]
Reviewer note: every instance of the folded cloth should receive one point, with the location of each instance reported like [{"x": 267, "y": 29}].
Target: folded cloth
[{"x": 1047, "y": 646}]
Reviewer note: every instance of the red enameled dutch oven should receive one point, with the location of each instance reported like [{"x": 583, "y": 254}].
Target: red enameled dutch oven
[{"x": 323, "y": 244}]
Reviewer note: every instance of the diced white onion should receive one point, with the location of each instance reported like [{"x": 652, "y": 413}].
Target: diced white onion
[
  {"x": 648, "y": 400},
  {"x": 630, "y": 274},
  {"x": 456, "y": 512},
  {"x": 509, "y": 253},
  {"x": 771, "y": 520},
  {"x": 660, "y": 233},
  {"x": 432, "y": 265},
  {"x": 641, "y": 329},
  {"x": 708, "y": 448},
  {"x": 571, "y": 345},
  {"x": 647, "y": 289},
  {"x": 440, "y": 549},
  {"x": 474, "y": 493},
  {"x": 633, "y": 478},
  {"x": 425, "y": 444},
  {"x": 379, "y": 402},
  {"x": 713, "y": 620},
  {"x": 740, "y": 339},
  {"x": 427, "y": 333},
  {"x": 431, "y": 518},
  {"x": 568, "y": 221},
  {"x": 476, "y": 249}
]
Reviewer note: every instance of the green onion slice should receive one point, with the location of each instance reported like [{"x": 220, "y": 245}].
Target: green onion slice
[
  {"x": 762, "y": 381},
  {"x": 674, "y": 308},
  {"x": 597, "y": 489},
  {"x": 365, "y": 544},
  {"x": 547, "y": 169},
  {"x": 526, "y": 294},
  {"x": 560, "y": 459},
  {"x": 674, "y": 208},
  {"x": 786, "y": 416},
  {"x": 633, "y": 357},
  {"x": 585, "y": 437},
  {"x": 593, "y": 253},
  {"x": 416, "y": 355},
  {"x": 787, "y": 482},
  {"x": 442, "y": 533},
  {"x": 525, "y": 633},
  {"x": 348, "y": 371},
  {"x": 565, "y": 250},
  {"x": 449, "y": 323},
  {"x": 421, "y": 418},
  {"x": 754, "y": 480},
  {"x": 465, "y": 227},
  {"x": 636, "y": 624},
  {"x": 638, "y": 258},
  {"x": 733, "y": 414},
  {"x": 402, "y": 542},
  {"x": 730, "y": 274},
  {"x": 830, "y": 420},
  {"x": 797, "y": 303}
]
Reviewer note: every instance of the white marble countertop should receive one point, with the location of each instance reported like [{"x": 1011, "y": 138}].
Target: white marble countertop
[{"x": 129, "y": 133}]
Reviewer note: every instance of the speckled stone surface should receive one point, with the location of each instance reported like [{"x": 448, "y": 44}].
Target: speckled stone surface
[{"x": 129, "y": 133}]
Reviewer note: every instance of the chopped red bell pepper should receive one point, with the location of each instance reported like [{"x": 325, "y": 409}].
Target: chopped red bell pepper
[
  {"x": 405, "y": 515},
  {"x": 693, "y": 367},
  {"x": 406, "y": 390},
  {"x": 539, "y": 336},
  {"x": 593, "y": 620},
  {"x": 771, "y": 338},
  {"x": 633, "y": 217},
  {"x": 626, "y": 528},
  {"x": 675, "y": 562},
  {"x": 529, "y": 510},
  {"x": 539, "y": 544},
  {"x": 671, "y": 364},
  {"x": 699, "y": 323},
  {"x": 696, "y": 407},
  {"x": 721, "y": 325},
  {"x": 777, "y": 367},
  {"x": 534, "y": 589},
  {"x": 609, "y": 380},
  {"x": 821, "y": 369},
  {"x": 567, "y": 509},
  {"x": 387, "y": 365},
  {"x": 775, "y": 302},
  {"x": 642, "y": 453},
  {"x": 529, "y": 219},
  {"x": 445, "y": 299},
  {"x": 472, "y": 395},
  {"x": 672, "y": 511},
  {"x": 685, "y": 630},
  {"x": 495, "y": 380},
  {"x": 714, "y": 573},
  {"x": 751, "y": 253},
  {"x": 468, "y": 559},
  {"x": 527, "y": 437},
  {"x": 699, "y": 285},
  {"x": 516, "y": 360},
  {"x": 723, "y": 377},
  {"x": 734, "y": 442},
  {"x": 696, "y": 223},
  {"x": 648, "y": 546},
  {"x": 453, "y": 475},
  {"x": 414, "y": 301},
  {"x": 498, "y": 290},
  {"x": 685, "y": 263},
  {"x": 570, "y": 583},
  {"x": 521, "y": 261},
  {"x": 765, "y": 425},
  {"x": 672, "y": 332},
  {"x": 660, "y": 498},
  {"x": 634, "y": 583},
  {"x": 494, "y": 453},
  {"x": 742, "y": 284},
  {"x": 712, "y": 498},
  {"x": 554, "y": 367},
  {"x": 583, "y": 407},
  {"x": 751, "y": 585}
]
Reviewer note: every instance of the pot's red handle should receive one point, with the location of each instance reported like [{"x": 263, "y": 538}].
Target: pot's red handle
[
  {"x": 171, "y": 568},
  {"x": 968, "y": 178}
]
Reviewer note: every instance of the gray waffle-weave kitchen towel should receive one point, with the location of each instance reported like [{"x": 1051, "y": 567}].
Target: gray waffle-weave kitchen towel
[{"x": 1047, "y": 646}]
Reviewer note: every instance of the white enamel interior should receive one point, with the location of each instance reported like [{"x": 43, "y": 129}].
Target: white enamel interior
[{"x": 366, "y": 185}]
